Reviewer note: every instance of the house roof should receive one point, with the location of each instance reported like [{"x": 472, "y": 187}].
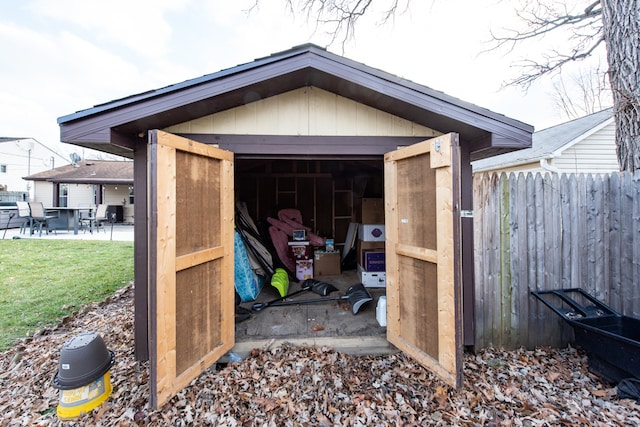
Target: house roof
[
  {"x": 11, "y": 138},
  {"x": 306, "y": 65},
  {"x": 30, "y": 145},
  {"x": 549, "y": 142},
  {"x": 89, "y": 172}
]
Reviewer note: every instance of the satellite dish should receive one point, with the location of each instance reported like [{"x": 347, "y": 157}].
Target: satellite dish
[
  {"x": 25, "y": 144},
  {"x": 75, "y": 158}
]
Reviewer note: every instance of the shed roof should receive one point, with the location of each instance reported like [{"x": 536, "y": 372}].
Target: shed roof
[
  {"x": 487, "y": 132},
  {"x": 549, "y": 142},
  {"x": 89, "y": 172}
]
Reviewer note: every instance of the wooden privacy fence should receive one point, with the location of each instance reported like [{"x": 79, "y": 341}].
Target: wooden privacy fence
[{"x": 535, "y": 232}]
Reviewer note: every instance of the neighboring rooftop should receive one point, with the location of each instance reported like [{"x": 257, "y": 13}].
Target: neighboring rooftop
[
  {"x": 89, "y": 172},
  {"x": 11, "y": 138},
  {"x": 547, "y": 143}
]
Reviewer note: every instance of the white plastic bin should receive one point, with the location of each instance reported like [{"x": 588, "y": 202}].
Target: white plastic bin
[{"x": 381, "y": 311}]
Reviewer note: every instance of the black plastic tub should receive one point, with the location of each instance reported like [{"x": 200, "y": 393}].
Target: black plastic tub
[{"x": 612, "y": 341}]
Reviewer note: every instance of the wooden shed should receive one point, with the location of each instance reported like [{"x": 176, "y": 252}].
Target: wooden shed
[{"x": 308, "y": 128}]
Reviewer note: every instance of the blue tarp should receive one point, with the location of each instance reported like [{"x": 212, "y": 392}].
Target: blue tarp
[{"x": 248, "y": 284}]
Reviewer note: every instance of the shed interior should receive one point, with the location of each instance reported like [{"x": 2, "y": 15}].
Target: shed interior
[{"x": 328, "y": 192}]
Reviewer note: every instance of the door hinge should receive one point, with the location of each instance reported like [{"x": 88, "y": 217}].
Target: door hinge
[{"x": 466, "y": 214}]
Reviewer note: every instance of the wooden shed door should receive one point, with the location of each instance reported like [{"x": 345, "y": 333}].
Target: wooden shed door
[
  {"x": 424, "y": 304},
  {"x": 191, "y": 298}
]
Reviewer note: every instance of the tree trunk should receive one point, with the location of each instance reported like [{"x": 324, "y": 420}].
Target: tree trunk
[{"x": 621, "y": 29}]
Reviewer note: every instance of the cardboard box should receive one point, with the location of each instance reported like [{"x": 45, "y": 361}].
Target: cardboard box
[
  {"x": 304, "y": 269},
  {"x": 363, "y": 246},
  {"x": 371, "y": 232},
  {"x": 300, "y": 250},
  {"x": 373, "y": 260},
  {"x": 371, "y": 211},
  {"x": 372, "y": 279},
  {"x": 326, "y": 263}
]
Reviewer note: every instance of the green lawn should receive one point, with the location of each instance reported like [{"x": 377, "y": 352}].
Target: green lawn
[{"x": 41, "y": 281}]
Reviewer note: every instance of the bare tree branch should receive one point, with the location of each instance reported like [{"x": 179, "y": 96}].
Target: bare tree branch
[
  {"x": 542, "y": 18},
  {"x": 339, "y": 18},
  {"x": 588, "y": 91},
  {"x": 550, "y": 63},
  {"x": 541, "y": 22}
]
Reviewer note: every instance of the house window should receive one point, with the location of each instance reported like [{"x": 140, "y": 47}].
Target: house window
[
  {"x": 3, "y": 168},
  {"x": 64, "y": 195},
  {"x": 130, "y": 194}
]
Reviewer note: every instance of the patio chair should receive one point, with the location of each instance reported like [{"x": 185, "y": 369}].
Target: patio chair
[
  {"x": 40, "y": 218},
  {"x": 85, "y": 218},
  {"x": 96, "y": 219},
  {"x": 24, "y": 212}
]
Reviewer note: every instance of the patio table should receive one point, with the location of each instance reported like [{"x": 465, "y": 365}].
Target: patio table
[{"x": 69, "y": 216}]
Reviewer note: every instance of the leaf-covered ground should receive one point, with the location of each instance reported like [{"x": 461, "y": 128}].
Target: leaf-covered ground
[{"x": 307, "y": 386}]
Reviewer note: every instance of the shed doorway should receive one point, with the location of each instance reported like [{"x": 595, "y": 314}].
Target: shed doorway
[
  {"x": 328, "y": 192},
  {"x": 422, "y": 255}
]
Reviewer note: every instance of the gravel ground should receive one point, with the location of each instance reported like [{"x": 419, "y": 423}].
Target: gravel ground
[{"x": 308, "y": 386}]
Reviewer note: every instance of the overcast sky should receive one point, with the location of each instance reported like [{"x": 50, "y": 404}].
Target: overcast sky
[{"x": 62, "y": 56}]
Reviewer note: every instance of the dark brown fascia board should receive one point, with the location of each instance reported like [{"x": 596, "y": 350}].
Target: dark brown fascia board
[
  {"x": 106, "y": 147},
  {"x": 432, "y": 93},
  {"x": 493, "y": 146},
  {"x": 127, "y": 142},
  {"x": 489, "y": 152},
  {"x": 220, "y": 102},
  {"x": 84, "y": 129},
  {"x": 100, "y": 108},
  {"x": 317, "y": 68},
  {"x": 499, "y": 141},
  {"x": 297, "y": 145},
  {"x": 125, "y": 110},
  {"x": 426, "y": 98},
  {"x": 101, "y": 141}
]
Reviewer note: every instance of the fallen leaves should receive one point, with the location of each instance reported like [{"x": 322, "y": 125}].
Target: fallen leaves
[{"x": 292, "y": 386}]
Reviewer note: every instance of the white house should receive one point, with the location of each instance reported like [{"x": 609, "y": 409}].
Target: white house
[
  {"x": 584, "y": 145},
  {"x": 20, "y": 157}
]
